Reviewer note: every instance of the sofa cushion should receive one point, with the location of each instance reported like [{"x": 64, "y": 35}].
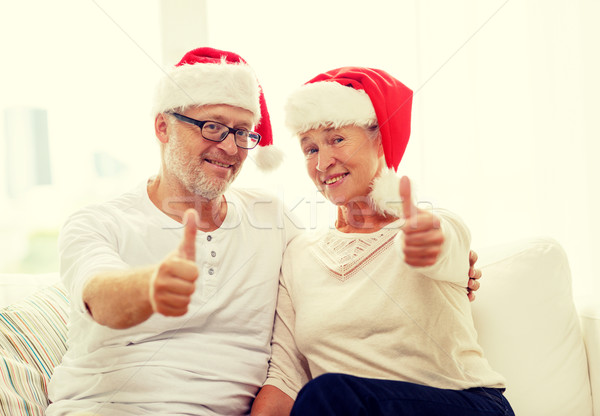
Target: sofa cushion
[
  {"x": 33, "y": 335},
  {"x": 529, "y": 328}
]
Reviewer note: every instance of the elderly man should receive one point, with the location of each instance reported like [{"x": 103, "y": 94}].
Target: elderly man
[{"x": 173, "y": 285}]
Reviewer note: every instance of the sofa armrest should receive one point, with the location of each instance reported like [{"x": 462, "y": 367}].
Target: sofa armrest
[
  {"x": 529, "y": 328},
  {"x": 33, "y": 337},
  {"x": 589, "y": 314}
]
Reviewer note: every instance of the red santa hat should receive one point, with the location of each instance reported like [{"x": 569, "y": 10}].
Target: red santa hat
[
  {"x": 206, "y": 76},
  {"x": 363, "y": 97},
  {"x": 358, "y": 96}
]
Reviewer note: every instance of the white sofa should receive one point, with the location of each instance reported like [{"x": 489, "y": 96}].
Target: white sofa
[
  {"x": 527, "y": 320},
  {"x": 533, "y": 332}
]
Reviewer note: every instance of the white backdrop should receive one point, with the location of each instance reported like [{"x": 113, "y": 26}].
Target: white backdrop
[
  {"x": 505, "y": 105},
  {"x": 504, "y": 115}
]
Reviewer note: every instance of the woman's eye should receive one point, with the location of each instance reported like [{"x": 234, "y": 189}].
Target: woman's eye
[
  {"x": 338, "y": 140},
  {"x": 310, "y": 151}
]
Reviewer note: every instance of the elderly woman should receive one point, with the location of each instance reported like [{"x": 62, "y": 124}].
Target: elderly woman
[{"x": 372, "y": 316}]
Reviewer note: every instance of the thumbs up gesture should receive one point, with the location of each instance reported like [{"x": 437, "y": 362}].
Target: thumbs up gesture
[
  {"x": 423, "y": 237},
  {"x": 173, "y": 282}
]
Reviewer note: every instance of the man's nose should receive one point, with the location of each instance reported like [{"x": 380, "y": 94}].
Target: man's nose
[{"x": 228, "y": 144}]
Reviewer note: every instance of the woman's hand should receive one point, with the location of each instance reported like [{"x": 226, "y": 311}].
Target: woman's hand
[{"x": 423, "y": 237}]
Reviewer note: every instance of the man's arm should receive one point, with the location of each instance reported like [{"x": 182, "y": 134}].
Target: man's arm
[
  {"x": 119, "y": 300},
  {"x": 122, "y": 299},
  {"x": 271, "y": 401}
]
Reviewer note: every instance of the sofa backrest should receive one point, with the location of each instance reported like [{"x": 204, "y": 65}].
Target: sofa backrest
[{"x": 17, "y": 286}]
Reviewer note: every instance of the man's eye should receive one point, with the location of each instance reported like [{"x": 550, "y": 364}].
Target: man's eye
[
  {"x": 338, "y": 140},
  {"x": 211, "y": 126}
]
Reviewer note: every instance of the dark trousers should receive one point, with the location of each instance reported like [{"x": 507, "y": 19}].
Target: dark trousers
[{"x": 341, "y": 394}]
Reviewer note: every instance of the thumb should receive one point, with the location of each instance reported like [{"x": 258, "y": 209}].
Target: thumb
[
  {"x": 408, "y": 208},
  {"x": 187, "y": 248}
]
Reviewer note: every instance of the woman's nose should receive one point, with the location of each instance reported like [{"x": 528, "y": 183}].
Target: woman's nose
[{"x": 325, "y": 160}]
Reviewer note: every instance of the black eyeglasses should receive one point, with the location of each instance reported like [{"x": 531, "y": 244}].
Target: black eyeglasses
[{"x": 217, "y": 132}]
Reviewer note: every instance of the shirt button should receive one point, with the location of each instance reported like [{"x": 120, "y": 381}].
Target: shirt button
[
  {"x": 212, "y": 253},
  {"x": 208, "y": 237},
  {"x": 211, "y": 271}
]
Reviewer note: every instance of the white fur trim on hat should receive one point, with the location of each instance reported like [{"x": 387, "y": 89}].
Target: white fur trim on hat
[
  {"x": 328, "y": 103},
  {"x": 208, "y": 83},
  {"x": 384, "y": 196},
  {"x": 267, "y": 158}
]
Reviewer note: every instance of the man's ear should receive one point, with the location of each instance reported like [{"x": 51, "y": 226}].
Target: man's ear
[
  {"x": 161, "y": 127},
  {"x": 380, "y": 151}
]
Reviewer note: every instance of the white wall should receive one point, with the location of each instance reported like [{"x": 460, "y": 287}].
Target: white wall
[
  {"x": 89, "y": 64},
  {"x": 504, "y": 131},
  {"x": 504, "y": 116}
]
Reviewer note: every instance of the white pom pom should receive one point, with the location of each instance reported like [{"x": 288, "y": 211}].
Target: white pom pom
[
  {"x": 267, "y": 158},
  {"x": 384, "y": 196}
]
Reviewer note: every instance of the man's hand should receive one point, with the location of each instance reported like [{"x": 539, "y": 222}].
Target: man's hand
[
  {"x": 173, "y": 281},
  {"x": 474, "y": 276},
  {"x": 423, "y": 236}
]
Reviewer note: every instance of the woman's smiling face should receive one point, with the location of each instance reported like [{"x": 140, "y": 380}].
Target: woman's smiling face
[{"x": 342, "y": 162}]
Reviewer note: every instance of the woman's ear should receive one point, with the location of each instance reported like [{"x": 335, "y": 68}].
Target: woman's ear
[{"x": 161, "y": 127}]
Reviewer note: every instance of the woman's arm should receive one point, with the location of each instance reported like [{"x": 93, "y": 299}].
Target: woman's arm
[
  {"x": 271, "y": 401},
  {"x": 437, "y": 243},
  {"x": 288, "y": 369}
]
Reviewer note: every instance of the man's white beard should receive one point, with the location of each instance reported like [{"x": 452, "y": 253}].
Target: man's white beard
[{"x": 189, "y": 171}]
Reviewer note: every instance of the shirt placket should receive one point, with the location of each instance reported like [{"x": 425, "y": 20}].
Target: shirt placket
[{"x": 209, "y": 270}]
